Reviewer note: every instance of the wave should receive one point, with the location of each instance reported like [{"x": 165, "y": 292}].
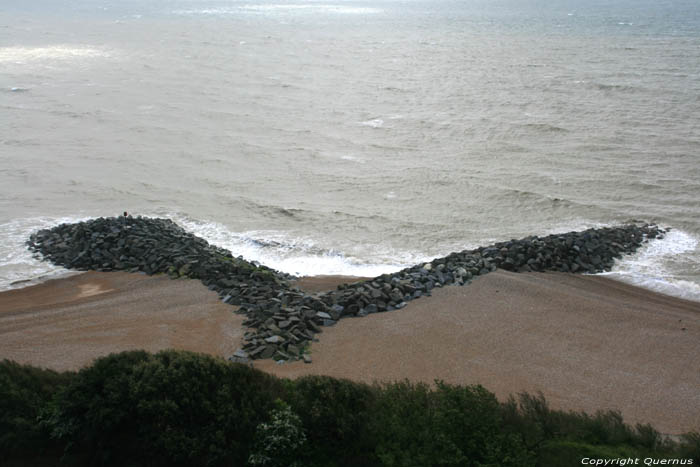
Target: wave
[
  {"x": 280, "y": 8},
  {"x": 275, "y": 211},
  {"x": 299, "y": 256},
  {"x": 667, "y": 266},
  {"x": 294, "y": 255},
  {"x": 613, "y": 87},
  {"x": 18, "y": 267},
  {"x": 352, "y": 159},
  {"x": 544, "y": 128},
  {"x": 374, "y": 123},
  {"x": 530, "y": 199},
  {"x": 326, "y": 8},
  {"x": 662, "y": 265},
  {"x": 16, "y": 54}
]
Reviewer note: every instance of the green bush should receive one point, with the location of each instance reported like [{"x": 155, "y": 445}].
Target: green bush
[
  {"x": 689, "y": 446},
  {"x": 171, "y": 408},
  {"x": 560, "y": 452},
  {"x": 24, "y": 392},
  {"x": 278, "y": 443},
  {"x": 451, "y": 425},
  {"x": 560, "y": 438},
  {"x": 178, "y": 408},
  {"x": 336, "y": 415}
]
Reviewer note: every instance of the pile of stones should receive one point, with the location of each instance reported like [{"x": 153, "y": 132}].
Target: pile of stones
[
  {"x": 155, "y": 246},
  {"x": 291, "y": 318},
  {"x": 283, "y": 320}
]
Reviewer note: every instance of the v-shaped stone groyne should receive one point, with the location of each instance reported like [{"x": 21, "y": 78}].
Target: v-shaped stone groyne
[{"x": 284, "y": 319}]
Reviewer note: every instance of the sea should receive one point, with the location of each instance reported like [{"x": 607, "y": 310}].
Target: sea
[{"x": 354, "y": 137}]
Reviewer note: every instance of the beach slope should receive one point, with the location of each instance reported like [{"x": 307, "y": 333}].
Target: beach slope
[
  {"x": 586, "y": 342},
  {"x": 65, "y": 324}
]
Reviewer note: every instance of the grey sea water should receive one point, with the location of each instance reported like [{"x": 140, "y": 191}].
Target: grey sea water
[{"x": 354, "y": 137}]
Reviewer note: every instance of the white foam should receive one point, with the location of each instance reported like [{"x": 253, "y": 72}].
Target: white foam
[
  {"x": 18, "y": 268},
  {"x": 352, "y": 159},
  {"x": 298, "y": 256},
  {"x": 668, "y": 266},
  {"x": 325, "y": 8},
  {"x": 281, "y": 8},
  {"x": 275, "y": 249},
  {"x": 658, "y": 266},
  {"x": 374, "y": 123},
  {"x": 56, "y": 52}
]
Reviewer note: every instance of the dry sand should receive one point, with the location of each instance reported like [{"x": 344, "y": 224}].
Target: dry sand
[
  {"x": 65, "y": 324},
  {"x": 586, "y": 342}
]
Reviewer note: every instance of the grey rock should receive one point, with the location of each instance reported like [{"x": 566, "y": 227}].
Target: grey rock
[
  {"x": 336, "y": 311},
  {"x": 268, "y": 352},
  {"x": 240, "y": 356},
  {"x": 323, "y": 315}
]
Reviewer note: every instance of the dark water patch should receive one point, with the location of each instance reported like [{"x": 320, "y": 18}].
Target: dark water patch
[
  {"x": 530, "y": 199},
  {"x": 395, "y": 89},
  {"x": 286, "y": 212},
  {"x": 622, "y": 88},
  {"x": 23, "y": 142},
  {"x": 544, "y": 128},
  {"x": 274, "y": 211}
]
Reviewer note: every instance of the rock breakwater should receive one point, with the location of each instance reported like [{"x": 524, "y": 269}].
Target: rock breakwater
[
  {"x": 284, "y": 319},
  {"x": 153, "y": 246}
]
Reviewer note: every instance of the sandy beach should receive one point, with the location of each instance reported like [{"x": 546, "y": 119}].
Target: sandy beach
[
  {"x": 65, "y": 324},
  {"x": 586, "y": 342}
]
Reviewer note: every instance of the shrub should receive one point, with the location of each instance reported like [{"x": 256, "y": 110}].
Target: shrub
[
  {"x": 452, "y": 425},
  {"x": 336, "y": 415},
  {"x": 689, "y": 447},
  {"x": 557, "y": 453},
  {"x": 171, "y": 408},
  {"x": 24, "y": 392},
  {"x": 178, "y": 408},
  {"x": 560, "y": 438},
  {"x": 278, "y": 443}
]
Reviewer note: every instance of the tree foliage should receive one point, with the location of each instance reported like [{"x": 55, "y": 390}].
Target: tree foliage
[{"x": 177, "y": 408}]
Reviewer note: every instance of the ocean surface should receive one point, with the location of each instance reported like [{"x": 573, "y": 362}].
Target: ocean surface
[{"x": 354, "y": 137}]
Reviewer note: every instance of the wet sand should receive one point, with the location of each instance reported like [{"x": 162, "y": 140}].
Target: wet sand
[{"x": 586, "y": 342}]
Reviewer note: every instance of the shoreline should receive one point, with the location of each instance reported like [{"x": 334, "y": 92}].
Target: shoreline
[{"x": 586, "y": 342}]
